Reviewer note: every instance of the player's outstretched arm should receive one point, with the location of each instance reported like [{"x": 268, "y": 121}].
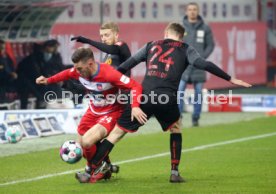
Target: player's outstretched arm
[
  {"x": 195, "y": 59},
  {"x": 41, "y": 80},
  {"x": 215, "y": 70},
  {"x": 110, "y": 49},
  {"x": 240, "y": 83},
  {"x": 59, "y": 77}
]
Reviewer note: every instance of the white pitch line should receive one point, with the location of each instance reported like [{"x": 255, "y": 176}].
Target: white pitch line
[{"x": 147, "y": 157}]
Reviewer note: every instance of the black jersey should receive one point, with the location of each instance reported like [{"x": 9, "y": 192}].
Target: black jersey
[
  {"x": 116, "y": 58},
  {"x": 115, "y": 54},
  {"x": 166, "y": 60},
  {"x": 119, "y": 56}
]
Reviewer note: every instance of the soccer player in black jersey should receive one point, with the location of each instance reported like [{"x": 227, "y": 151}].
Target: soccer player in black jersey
[
  {"x": 116, "y": 51},
  {"x": 165, "y": 60}
]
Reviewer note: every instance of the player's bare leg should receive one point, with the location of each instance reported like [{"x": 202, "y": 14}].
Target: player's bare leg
[{"x": 93, "y": 135}]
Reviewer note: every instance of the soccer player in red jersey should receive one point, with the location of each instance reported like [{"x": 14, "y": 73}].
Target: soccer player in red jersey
[
  {"x": 117, "y": 52},
  {"x": 104, "y": 82}
]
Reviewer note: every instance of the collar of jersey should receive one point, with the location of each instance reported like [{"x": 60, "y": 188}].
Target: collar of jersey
[{"x": 97, "y": 72}]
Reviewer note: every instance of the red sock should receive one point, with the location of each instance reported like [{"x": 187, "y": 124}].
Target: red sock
[{"x": 88, "y": 153}]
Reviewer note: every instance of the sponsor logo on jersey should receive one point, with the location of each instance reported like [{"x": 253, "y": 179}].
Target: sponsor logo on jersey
[
  {"x": 95, "y": 86},
  {"x": 99, "y": 86},
  {"x": 108, "y": 61},
  {"x": 125, "y": 79}
]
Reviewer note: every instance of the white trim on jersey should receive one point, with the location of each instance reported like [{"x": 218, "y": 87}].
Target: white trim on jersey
[
  {"x": 125, "y": 79},
  {"x": 102, "y": 102},
  {"x": 99, "y": 113},
  {"x": 96, "y": 86}
]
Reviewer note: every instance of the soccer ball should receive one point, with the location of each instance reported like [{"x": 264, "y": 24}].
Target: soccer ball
[
  {"x": 13, "y": 135},
  {"x": 70, "y": 152}
]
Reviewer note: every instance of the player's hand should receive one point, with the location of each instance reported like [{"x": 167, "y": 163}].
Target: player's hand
[
  {"x": 137, "y": 113},
  {"x": 80, "y": 39},
  {"x": 41, "y": 80},
  {"x": 240, "y": 83},
  {"x": 14, "y": 75}
]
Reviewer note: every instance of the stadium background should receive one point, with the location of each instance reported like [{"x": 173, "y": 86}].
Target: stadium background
[{"x": 245, "y": 37}]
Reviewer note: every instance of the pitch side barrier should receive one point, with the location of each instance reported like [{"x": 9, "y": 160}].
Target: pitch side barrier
[{"x": 40, "y": 123}]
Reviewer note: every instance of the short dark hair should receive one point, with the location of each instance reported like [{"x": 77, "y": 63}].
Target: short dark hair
[
  {"x": 82, "y": 54},
  {"x": 177, "y": 28},
  {"x": 2, "y": 41},
  {"x": 50, "y": 43}
]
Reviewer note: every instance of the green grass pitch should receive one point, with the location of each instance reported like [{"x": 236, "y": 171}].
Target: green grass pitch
[{"x": 248, "y": 166}]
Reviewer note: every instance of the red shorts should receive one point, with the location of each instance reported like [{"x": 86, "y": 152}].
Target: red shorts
[{"x": 90, "y": 119}]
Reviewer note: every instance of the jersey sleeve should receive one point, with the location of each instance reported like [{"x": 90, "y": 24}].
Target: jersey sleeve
[
  {"x": 63, "y": 76},
  {"x": 123, "y": 82},
  {"x": 197, "y": 61},
  {"x": 110, "y": 49},
  {"x": 192, "y": 55},
  {"x": 212, "y": 68},
  {"x": 131, "y": 62}
]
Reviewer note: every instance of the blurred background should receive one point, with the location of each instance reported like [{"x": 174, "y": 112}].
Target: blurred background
[{"x": 35, "y": 40}]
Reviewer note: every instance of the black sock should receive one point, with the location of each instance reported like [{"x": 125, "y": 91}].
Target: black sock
[
  {"x": 102, "y": 152},
  {"x": 106, "y": 159},
  {"x": 176, "y": 147}
]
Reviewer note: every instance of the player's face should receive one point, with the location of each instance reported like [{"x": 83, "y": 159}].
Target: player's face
[
  {"x": 84, "y": 69},
  {"x": 108, "y": 36},
  {"x": 192, "y": 12},
  {"x": 50, "y": 49}
]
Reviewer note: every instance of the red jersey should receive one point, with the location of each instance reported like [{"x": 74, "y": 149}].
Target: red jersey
[{"x": 104, "y": 87}]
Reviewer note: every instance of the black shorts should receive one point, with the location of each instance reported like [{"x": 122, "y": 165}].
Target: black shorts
[{"x": 166, "y": 115}]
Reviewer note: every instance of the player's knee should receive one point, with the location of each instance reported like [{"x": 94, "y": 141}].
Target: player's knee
[
  {"x": 115, "y": 135},
  {"x": 176, "y": 128},
  {"x": 85, "y": 143}
]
